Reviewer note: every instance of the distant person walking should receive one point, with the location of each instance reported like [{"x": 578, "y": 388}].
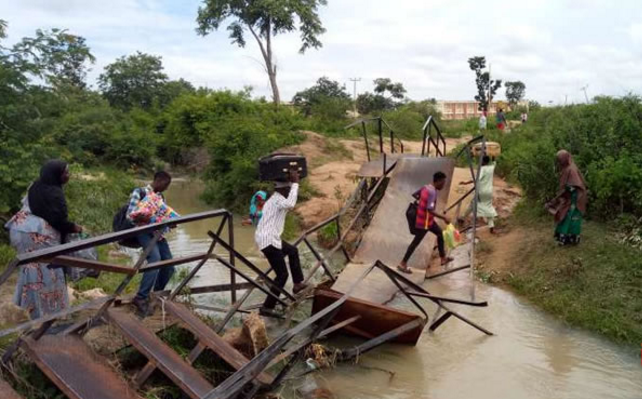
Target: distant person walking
[
  {"x": 425, "y": 221},
  {"x": 501, "y": 119},
  {"x": 569, "y": 205},
  {"x": 482, "y": 121},
  {"x": 42, "y": 222},
  {"x": 268, "y": 238},
  {"x": 524, "y": 117},
  {"x": 485, "y": 206}
]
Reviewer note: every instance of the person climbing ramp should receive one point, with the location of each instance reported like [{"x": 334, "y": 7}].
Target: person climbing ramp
[{"x": 425, "y": 221}]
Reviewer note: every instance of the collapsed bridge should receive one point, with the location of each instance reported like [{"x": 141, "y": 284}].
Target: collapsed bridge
[{"x": 356, "y": 301}]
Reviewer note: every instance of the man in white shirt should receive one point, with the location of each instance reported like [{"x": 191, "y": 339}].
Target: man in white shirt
[{"x": 268, "y": 238}]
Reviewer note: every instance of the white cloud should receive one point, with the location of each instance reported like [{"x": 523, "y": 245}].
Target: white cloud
[
  {"x": 635, "y": 31},
  {"x": 554, "y": 46}
]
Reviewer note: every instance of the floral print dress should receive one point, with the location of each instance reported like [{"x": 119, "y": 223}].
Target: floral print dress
[{"x": 40, "y": 290}]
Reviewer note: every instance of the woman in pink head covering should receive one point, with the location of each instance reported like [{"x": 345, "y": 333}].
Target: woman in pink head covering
[{"x": 569, "y": 206}]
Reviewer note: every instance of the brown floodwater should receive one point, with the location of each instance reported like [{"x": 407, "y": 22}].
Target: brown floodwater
[{"x": 532, "y": 355}]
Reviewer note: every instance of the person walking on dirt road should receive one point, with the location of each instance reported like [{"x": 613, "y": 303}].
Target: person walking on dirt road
[
  {"x": 425, "y": 222},
  {"x": 268, "y": 238}
]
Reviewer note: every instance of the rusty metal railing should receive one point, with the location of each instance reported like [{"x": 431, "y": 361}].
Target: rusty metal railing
[
  {"x": 430, "y": 139},
  {"x": 380, "y": 124}
]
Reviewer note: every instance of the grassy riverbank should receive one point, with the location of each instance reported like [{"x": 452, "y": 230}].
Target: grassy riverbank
[{"x": 596, "y": 285}]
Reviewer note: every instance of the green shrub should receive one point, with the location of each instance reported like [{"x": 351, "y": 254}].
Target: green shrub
[
  {"x": 328, "y": 116},
  {"x": 95, "y": 196},
  {"x": 192, "y": 118},
  {"x": 235, "y": 148},
  {"x": 604, "y": 138}
]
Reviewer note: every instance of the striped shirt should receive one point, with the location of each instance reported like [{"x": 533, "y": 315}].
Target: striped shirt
[{"x": 271, "y": 225}]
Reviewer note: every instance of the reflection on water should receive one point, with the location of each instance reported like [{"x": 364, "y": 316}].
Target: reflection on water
[{"x": 532, "y": 356}]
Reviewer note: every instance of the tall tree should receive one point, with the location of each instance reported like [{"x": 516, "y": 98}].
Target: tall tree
[
  {"x": 264, "y": 19},
  {"x": 134, "y": 81},
  {"x": 387, "y": 95},
  {"x": 56, "y": 56},
  {"x": 515, "y": 92},
  {"x": 325, "y": 89},
  {"x": 385, "y": 85},
  {"x": 27, "y": 103},
  {"x": 483, "y": 82}
]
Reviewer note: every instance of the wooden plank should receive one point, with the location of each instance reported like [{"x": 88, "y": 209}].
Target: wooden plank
[
  {"x": 212, "y": 340},
  {"x": 375, "y": 319},
  {"x": 168, "y": 361},
  {"x": 6, "y": 392},
  {"x": 75, "y": 369}
]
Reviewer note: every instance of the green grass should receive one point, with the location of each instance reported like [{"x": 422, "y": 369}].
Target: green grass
[{"x": 596, "y": 285}]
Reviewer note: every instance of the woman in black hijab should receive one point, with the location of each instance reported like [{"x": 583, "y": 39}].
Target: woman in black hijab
[
  {"x": 42, "y": 223},
  {"x": 47, "y": 199}
]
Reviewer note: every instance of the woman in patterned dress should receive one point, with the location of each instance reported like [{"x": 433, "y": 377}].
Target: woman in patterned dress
[{"x": 41, "y": 223}]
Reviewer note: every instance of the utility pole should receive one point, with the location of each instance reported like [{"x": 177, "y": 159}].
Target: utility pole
[
  {"x": 585, "y": 95},
  {"x": 354, "y": 84}
]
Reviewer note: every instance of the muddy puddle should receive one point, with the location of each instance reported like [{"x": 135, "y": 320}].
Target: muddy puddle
[{"x": 532, "y": 355}]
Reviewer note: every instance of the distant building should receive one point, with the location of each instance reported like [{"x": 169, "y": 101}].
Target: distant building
[
  {"x": 462, "y": 109},
  {"x": 469, "y": 109}
]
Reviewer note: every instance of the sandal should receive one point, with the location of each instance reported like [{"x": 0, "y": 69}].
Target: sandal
[{"x": 406, "y": 269}]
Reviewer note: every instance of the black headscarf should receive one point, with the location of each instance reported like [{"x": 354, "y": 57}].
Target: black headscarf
[{"x": 46, "y": 198}]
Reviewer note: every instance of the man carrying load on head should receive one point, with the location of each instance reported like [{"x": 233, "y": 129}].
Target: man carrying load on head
[{"x": 268, "y": 238}]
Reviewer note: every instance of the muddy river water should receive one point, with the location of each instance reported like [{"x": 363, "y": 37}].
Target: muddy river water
[{"x": 532, "y": 355}]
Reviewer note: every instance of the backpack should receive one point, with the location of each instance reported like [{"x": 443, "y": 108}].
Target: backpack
[
  {"x": 120, "y": 223},
  {"x": 411, "y": 217}
]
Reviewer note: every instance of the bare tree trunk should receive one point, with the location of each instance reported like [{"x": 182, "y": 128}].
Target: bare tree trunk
[
  {"x": 276, "y": 96},
  {"x": 270, "y": 68}
]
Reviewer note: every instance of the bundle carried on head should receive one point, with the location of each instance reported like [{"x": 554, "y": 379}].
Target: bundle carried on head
[{"x": 276, "y": 167}]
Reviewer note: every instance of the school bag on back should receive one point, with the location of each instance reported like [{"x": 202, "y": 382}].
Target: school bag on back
[{"x": 120, "y": 223}]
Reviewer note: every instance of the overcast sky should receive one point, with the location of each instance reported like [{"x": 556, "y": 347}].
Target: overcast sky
[{"x": 554, "y": 46}]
